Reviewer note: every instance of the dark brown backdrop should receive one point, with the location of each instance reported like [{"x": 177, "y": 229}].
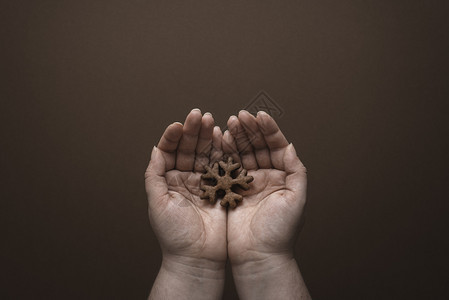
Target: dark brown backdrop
[{"x": 88, "y": 87}]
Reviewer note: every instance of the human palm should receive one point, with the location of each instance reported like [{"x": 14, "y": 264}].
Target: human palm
[
  {"x": 185, "y": 225},
  {"x": 196, "y": 236},
  {"x": 268, "y": 219}
]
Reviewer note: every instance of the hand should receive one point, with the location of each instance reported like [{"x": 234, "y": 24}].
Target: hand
[
  {"x": 262, "y": 230},
  {"x": 267, "y": 221},
  {"x": 191, "y": 231}
]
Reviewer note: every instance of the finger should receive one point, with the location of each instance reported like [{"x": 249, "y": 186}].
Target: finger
[
  {"x": 185, "y": 156},
  {"x": 216, "y": 153},
  {"x": 229, "y": 147},
  {"x": 274, "y": 138},
  {"x": 204, "y": 143},
  {"x": 169, "y": 142},
  {"x": 296, "y": 172},
  {"x": 243, "y": 144},
  {"x": 156, "y": 185},
  {"x": 256, "y": 138}
]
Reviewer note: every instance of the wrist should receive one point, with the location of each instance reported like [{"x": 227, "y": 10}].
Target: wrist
[
  {"x": 193, "y": 267},
  {"x": 260, "y": 263},
  {"x": 188, "y": 278},
  {"x": 273, "y": 277}
]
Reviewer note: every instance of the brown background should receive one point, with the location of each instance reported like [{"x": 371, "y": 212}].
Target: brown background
[{"x": 88, "y": 87}]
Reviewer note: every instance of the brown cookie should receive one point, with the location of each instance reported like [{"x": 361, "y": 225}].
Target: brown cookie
[{"x": 221, "y": 178}]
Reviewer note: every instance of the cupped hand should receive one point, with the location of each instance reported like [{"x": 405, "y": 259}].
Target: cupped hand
[
  {"x": 267, "y": 221},
  {"x": 186, "y": 226}
]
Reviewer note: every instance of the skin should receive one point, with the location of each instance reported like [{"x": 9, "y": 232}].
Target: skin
[
  {"x": 197, "y": 237},
  {"x": 263, "y": 230},
  {"x": 191, "y": 232}
]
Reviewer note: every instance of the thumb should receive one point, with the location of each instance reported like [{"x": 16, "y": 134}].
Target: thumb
[
  {"x": 296, "y": 172},
  {"x": 155, "y": 182}
]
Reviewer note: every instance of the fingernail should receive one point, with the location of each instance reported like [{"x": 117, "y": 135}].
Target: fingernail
[
  {"x": 293, "y": 149},
  {"x": 261, "y": 116},
  {"x": 153, "y": 151},
  {"x": 177, "y": 123},
  {"x": 232, "y": 118},
  {"x": 196, "y": 109},
  {"x": 208, "y": 113}
]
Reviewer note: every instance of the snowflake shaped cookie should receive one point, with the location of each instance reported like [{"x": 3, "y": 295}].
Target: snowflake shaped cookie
[{"x": 222, "y": 180}]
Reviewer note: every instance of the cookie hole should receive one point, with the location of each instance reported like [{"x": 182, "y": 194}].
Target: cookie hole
[{"x": 221, "y": 193}]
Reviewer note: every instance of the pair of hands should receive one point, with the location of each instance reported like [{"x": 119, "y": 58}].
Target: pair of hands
[{"x": 196, "y": 236}]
